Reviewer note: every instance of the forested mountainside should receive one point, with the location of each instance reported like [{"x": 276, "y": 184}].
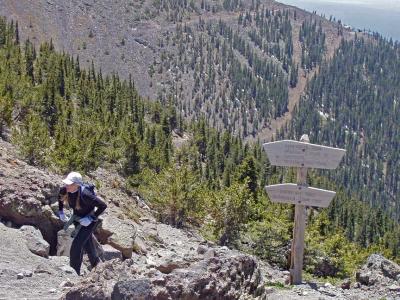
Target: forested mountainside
[
  {"x": 353, "y": 103},
  {"x": 241, "y": 64},
  {"x": 64, "y": 117}
]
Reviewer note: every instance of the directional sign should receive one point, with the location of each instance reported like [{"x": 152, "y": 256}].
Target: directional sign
[
  {"x": 288, "y": 153},
  {"x": 298, "y": 194}
]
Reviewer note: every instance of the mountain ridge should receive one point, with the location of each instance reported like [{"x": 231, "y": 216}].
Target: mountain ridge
[{"x": 116, "y": 39}]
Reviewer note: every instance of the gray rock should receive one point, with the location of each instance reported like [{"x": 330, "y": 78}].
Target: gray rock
[
  {"x": 139, "y": 289},
  {"x": 394, "y": 288},
  {"x": 168, "y": 265},
  {"x": 118, "y": 233},
  {"x": 363, "y": 277},
  {"x": 25, "y": 275},
  {"x": 110, "y": 253},
  {"x": 67, "y": 283},
  {"x": 323, "y": 266},
  {"x": 390, "y": 269},
  {"x": 64, "y": 241},
  {"x": 346, "y": 284},
  {"x": 35, "y": 241},
  {"x": 210, "y": 253},
  {"x": 202, "y": 249},
  {"x": 28, "y": 273},
  {"x": 230, "y": 275},
  {"x": 139, "y": 246},
  {"x": 67, "y": 269},
  {"x": 377, "y": 262}
]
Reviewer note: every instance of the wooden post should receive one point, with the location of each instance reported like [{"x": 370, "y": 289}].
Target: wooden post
[
  {"x": 297, "y": 253},
  {"x": 302, "y": 155}
]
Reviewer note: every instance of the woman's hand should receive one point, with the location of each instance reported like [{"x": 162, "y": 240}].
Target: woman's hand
[
  {"x": 86, "y": 221},
  {"x": 62, "y": 216}
]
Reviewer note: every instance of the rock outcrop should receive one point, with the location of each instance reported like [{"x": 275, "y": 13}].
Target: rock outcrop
[{"x": 26, "y": 195}]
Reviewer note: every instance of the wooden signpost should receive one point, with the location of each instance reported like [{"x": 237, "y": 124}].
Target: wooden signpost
[
  {"x": 297, "y": 194},
  {"x": 302, "y": 155}
]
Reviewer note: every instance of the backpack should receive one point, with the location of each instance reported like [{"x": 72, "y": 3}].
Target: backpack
[
  {"x": 87, "y": 186},
  {"x": 90, "y": 187}
]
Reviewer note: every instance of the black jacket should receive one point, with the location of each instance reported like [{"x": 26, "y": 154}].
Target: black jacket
[{"x": 88, "y": 202}]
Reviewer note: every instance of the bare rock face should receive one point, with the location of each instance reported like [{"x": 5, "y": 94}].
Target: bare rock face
[
  {"x": 35, "y": 241},
  {"x": 26, "y": 194}
]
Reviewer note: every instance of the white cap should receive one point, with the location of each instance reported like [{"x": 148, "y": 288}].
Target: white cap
[{"x": 73, "y": 177}]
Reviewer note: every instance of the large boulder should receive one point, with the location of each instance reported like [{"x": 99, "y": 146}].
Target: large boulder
[
  {"x": 118, "y": 233},
  {"x": 378, "y": 272},
  {"x": 173, "y": 269},
  {"x": 35, "y": 241},
  {"x": 228, "y": 275},
  {"x": 378, "y": 263},
  {"x": 324, "y": 266}
]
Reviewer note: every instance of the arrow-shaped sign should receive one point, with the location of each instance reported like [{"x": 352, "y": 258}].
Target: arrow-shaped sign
[
  {"x": 288, "y": 153},
  {"x": 298, "y": 194}
]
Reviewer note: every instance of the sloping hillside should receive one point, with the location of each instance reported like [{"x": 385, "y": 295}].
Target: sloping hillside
[
  {"x": 353, "y": 103},
  {"x": 242, "y": 65}
]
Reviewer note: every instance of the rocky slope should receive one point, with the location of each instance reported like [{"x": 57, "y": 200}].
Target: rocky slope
[
  {"x": 145, "y": 259},
  {"x": 25, "y": 275}
]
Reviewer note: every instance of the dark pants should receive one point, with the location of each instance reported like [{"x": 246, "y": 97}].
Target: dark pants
[{"x": 83, "y": 241}]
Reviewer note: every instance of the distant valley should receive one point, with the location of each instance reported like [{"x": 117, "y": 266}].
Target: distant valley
[{"x": 377, "y": 16}]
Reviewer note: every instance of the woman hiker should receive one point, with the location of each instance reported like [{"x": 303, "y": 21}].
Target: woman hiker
[{"x": 86, "y": 209}]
